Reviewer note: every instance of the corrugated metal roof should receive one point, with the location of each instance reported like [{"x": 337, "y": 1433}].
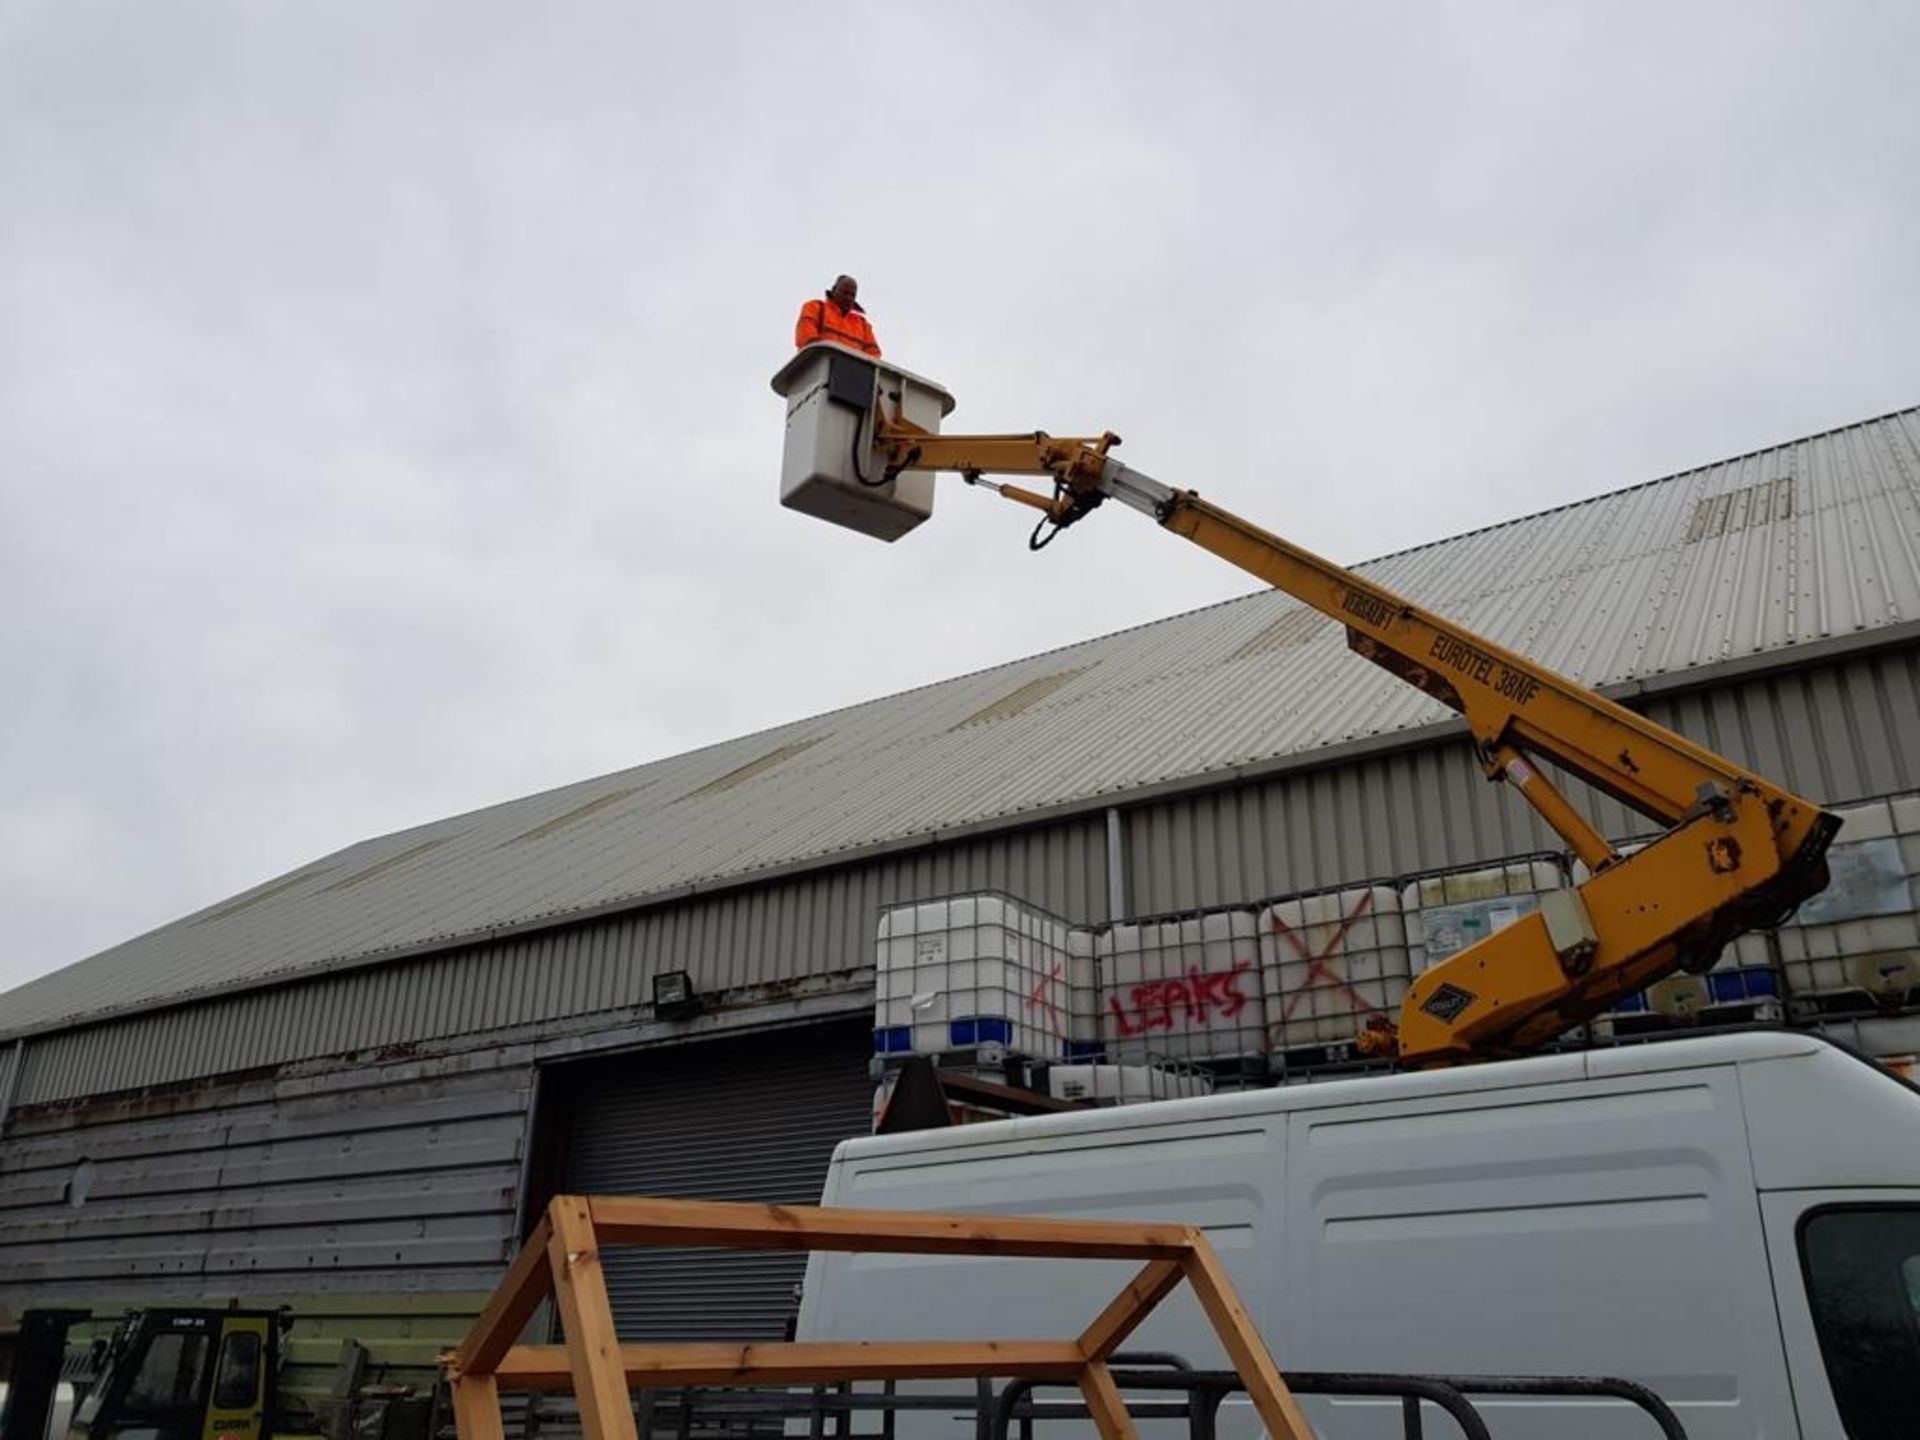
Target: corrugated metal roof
[{"x": 1630, "y": 586}]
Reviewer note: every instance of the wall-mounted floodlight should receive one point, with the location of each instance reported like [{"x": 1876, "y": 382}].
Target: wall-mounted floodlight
[{"x": 673, "y": 995}]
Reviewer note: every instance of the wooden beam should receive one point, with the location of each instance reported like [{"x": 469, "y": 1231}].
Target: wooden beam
[
  {"x": 476, "y": 1408},
  {"x": 528, "y": 1282},
  {"x": 1130, "y": 1307},
  {"x": 606, "y": 1408},
  {"x": 959, "y": 1085},
  {"x": 1104, "y": 1404},
  {"x": 1268, "y": 1390},
  {"x": 634, "y": 1220},
  {"x": 548, "y": 1367},
  {"x": 598, "y": 1368}
]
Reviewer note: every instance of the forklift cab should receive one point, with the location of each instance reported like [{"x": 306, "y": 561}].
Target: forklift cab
[{"x": 184, "y": 1375}]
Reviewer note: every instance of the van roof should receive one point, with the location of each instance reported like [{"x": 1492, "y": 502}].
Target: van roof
[{"x": 1652, "y": 1057}]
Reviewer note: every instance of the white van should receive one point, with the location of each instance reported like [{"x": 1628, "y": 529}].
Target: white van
[{"x": 1733, "y": 1221}]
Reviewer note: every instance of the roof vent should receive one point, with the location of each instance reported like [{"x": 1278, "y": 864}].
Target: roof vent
[
  {"x": 387, "y": 864},
  {"x": 1292, "y": 630},
  {"x": 1023, "y": 698},
  {"x": 578, "y": 813},
  {"x": 741, "y": 774},
  {"x": 260, "y": 896},
  {"x": 1718, "y": 515}
]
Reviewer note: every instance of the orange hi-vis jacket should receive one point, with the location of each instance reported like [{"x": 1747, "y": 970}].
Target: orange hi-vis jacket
[{"x": 824, "y": 320}]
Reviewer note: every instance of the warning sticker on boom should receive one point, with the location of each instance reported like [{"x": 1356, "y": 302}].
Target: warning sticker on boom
[{"x": 1448, "y": 1003}]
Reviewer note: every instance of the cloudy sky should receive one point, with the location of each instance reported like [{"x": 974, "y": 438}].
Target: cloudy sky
[{"x": 384, "y": 426}]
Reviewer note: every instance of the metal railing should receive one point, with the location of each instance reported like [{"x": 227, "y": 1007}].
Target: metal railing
[
  {"x": 1205, "y": 1390},
  {"x": 1012, "y": 1412}
]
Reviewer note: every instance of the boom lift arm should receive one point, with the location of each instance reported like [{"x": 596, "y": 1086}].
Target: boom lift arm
[{"x": 1739, "y": 852}]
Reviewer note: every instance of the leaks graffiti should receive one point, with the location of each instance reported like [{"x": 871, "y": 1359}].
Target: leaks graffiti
[{"x": 1194, "y": 1000}]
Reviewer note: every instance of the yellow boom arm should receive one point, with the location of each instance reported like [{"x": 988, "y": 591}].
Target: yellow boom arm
[{"x": 1738, "y": 851}]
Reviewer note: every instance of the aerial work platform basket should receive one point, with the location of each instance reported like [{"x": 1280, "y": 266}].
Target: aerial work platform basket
[{"x": 833, "y": 468}]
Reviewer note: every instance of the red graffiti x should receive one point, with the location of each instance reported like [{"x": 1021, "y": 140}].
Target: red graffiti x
[
  {"x": 1042, "y": 996},
  {"x": 1318, "y": 971}
]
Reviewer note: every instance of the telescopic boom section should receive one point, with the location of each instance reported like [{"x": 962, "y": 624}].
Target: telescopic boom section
[{"x": 1738, "y": 851}]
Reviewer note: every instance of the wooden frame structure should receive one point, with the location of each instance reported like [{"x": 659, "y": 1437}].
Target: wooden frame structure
[{"x": 561, "y": 1258}]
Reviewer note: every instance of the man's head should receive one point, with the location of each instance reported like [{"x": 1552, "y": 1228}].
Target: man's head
[{"x": 845, "y": 291}]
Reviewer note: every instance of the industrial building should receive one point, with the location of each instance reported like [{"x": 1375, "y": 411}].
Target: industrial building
[{"x": 346, "y": 1089}]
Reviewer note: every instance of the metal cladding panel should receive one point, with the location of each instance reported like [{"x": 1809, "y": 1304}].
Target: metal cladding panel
[
  {"x": 383, "y": 1178},
  {"x": 1312, "y": 830},
  {"x": 752, "y": 1119},
  {"x": 1841, "y": 732},
  {"x": 1667, "y": 577},
  {"x": 807, "y": 927},
  {"x": 11, "y": 1057},
  {"x": 1838, "y": 732}
]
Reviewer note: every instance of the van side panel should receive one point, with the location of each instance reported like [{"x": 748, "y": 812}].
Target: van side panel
[
  {"x": 1825, "y": 1118},
  {"x": 1572, "y": 1214},
  {"x": 1223, "y": 1176},
  {"x": 1605, "y": 1227}
]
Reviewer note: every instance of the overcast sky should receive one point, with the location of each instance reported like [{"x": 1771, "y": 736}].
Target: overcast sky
[{"x": 384, "y": 422}]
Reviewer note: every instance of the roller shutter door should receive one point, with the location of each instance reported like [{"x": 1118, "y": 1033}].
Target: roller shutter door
[{"x": 748, "y": 1119}]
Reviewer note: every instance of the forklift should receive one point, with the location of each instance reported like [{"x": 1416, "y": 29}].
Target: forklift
[{"x": 163, "y": 1374}]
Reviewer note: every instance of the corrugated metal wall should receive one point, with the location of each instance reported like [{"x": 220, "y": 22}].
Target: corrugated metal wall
[
  {"x": 399, "y": 1177},
  {"x": 813, "y": 925},
  {"x": 1843, "y": 731},
  {"x": 10, "y": 1058}
]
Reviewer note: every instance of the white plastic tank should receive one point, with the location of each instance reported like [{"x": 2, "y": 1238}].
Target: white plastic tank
[
  {"x": 1447, "y": 913},
  {"x": 1861, "y": 935},
  {"x": 1186, "y": 988},
  {"x": 973, "y": 970},
  {"x": 1331, "y": 964},
  {"x": 830, "y": 468}
]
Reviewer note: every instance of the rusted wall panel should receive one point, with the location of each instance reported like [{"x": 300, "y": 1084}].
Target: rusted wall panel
[
  {"x": 765, "y": 937},
  {"x": 379, "y": 1178}
]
